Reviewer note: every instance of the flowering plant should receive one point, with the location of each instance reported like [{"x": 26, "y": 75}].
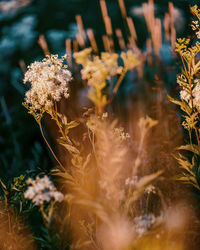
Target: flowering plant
[
  {"x": 189, "y": 103},
  {"x": 111, "y": 167}
]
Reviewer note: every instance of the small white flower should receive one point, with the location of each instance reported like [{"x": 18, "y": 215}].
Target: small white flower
[
  {"x": 119, "y": 132},
  {"x": 143, "y": 223},
  {"x": 42, "y": 190},
  {"x": 184, "y": 95},
  {"x": 49, "y": 82},
  {"x": 131, "y": 181},
  {"x": 150, "y": 189}
]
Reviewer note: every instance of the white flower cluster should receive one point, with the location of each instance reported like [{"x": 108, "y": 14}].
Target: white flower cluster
[
  {"x": 186, "y": 96},
  {"x": 49, "y": 82},
  {"x": 131, "y": 181},
  {"x": 42, "y": 190},
  {"x": 119, "y": 132},
  {"x": 150, "y": 189},
  {"x": 143, "y": 223}
]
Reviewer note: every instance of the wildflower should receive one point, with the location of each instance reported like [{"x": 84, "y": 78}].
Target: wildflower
[
  {"x": 104, "y": 116},
  {"x": 49, "y": 82},
  {"x": 42, "y": 190},
  {"x": 97, "y": 70},
  {"x": 190, "y": 121},
  {"x": 131, "y": 181},
  {"x": 186, "y": 96},
  {"x": 94, "y": 71},
  {"x": 119, "y": 132},
  {"x": 143, "y": 223},
  {"x": 196, "y": 93},
  {"x": 111, "y": 62},
  {"x": 130, "y": 59},
  {"x": 82, "y": 56},
  {"x": 150, "y": 189}
]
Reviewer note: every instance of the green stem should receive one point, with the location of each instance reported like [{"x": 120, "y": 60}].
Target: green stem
[{"x": 60, "y": 164}]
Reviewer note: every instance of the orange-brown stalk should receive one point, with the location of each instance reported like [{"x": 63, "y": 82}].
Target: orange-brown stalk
[
  {"x": 122, "y": 8},
  {"x": 79, "y": 22},
  {"x": 106, "y": 43},
  {"x": 108, "y": 26},
  {"x": 92, "y": 40},
  {"x": 80, "y": 40},
  {"x": 75, "y": 46},
  {"x": 131, "y": 27},
  {"x": 167, "y": 26},
  {"x": 69, "y": 51},
  {"x": 43, "y": 44},
  {"x": 104, "y": 10},
  {"x": 121, "y": 41}
]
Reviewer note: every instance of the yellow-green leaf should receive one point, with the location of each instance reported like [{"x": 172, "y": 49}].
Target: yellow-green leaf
[
  {"x": 190, "y": 147},
  {"x": 70, "y": 148}
]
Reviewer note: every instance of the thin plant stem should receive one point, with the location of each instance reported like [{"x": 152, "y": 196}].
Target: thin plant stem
[
  {"x": 55, "y": 117},
  {"x": 190, "y": 86},
  {"x": 57, "y": 122},
  {"x": 100, "y": 109},
  {"x": 45, "y": 217},
  {"x": 117, "y": 86},
  {"x": 119, "y": 81},
  {"x": 197, "y": 135},
  {"x": 184, "y": 66},
  {"x": 60, "y": 164}
]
